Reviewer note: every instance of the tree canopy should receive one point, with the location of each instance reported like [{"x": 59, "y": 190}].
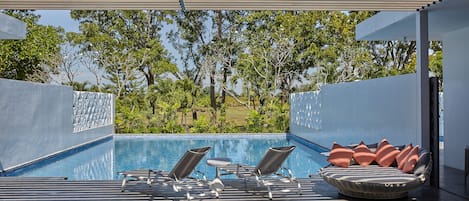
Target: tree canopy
[{"x": 231, "y": 71}]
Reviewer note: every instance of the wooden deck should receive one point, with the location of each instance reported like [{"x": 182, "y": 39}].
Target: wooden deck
[{"x": 57, "y": 188}]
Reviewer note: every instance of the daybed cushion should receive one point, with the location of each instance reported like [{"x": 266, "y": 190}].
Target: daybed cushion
[
  {"x": 340, "y": 156},
  {"x": 424, "y": 165}
]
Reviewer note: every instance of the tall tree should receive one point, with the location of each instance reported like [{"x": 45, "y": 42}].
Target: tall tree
[
  {"x": 192, "y": 41},
  {"x": 127, "y": 43}
]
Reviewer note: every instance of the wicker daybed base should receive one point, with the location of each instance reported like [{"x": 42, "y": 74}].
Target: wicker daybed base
[{"x": 371, "y": 182}]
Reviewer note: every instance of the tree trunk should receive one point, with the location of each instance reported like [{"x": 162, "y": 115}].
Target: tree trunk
[
  {"x": 194, "y": 116},
  {"x": 225, "y": 67}
]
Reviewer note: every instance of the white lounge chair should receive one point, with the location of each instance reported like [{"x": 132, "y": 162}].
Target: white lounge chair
[
  {"x": 179, "y": 177},
  {"x": 268, "y": 172}
]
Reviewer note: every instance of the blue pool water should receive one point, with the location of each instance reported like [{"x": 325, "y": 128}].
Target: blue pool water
[{"x": 120, "y": 153}]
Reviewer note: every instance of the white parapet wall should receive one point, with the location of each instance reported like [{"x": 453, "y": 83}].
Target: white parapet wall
[
  {"x": 350, "y": 112},
  {"x": 36, "y": 120}
]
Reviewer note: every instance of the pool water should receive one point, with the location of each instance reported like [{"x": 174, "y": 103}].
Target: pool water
[{"x": 105, "y": 160}]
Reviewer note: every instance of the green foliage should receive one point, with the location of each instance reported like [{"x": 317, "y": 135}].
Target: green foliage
[
  {"x": 270, "y": 54},
  {"x": 202, "y": 125},
  {"x": 255, "y": 122},
  {"x": 34, "y": 58}
]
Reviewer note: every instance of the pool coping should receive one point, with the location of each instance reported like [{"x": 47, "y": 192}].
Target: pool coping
[{"x": 202, "y": 135}]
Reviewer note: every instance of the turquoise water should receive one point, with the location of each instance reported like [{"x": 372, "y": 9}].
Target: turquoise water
[{"x": 105, "y": 160}]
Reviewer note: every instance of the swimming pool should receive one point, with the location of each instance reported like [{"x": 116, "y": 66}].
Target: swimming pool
[{"x": 104, "y": 160}]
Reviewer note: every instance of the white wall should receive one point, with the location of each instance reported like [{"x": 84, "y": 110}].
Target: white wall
[
  {"x": 456, "y": 96},
  {"x": 366, "y": 110},
  {"x": 36, "y": 120}
]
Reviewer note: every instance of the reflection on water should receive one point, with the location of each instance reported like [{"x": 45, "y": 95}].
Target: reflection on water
[
  {"x": 105, "y": 160},
  {"x": 90, "y": 164},
  {"x": 157, "y": 153}
]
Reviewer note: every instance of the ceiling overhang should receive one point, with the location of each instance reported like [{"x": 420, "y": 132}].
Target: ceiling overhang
[
  {"x": 378, "y": 5},
  {"x": 12, "y": 28},
  {"x": 444, "y": 17}
]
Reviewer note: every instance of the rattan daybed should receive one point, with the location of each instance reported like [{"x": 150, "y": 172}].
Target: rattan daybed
[{"x": 375, "y": 182}]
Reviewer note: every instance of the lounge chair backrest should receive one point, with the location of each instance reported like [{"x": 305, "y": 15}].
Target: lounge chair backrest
[
  {"x": 272, "y": 160},
  {"x": 187, "y": 163}
]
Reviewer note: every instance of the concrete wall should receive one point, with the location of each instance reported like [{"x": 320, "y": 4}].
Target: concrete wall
[
  {"x": 456, "y": 96},
  {"x": 366, "y": 110},
  {"x": 35, "y": 121}
]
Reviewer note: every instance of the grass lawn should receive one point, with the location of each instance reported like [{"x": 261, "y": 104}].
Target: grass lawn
[{"x": 235, "y": 115}]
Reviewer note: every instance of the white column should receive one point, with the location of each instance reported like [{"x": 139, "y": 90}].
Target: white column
[{"x": 423, "y": 97}]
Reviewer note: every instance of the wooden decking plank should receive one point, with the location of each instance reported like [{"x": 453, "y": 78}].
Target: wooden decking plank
[{"x": 54, "y": 189}]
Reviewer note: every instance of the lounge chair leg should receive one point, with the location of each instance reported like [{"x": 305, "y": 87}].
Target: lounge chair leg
[
  {"x": 245, "y": 185},
  {"x": 124, "y": 181},
  {"x": 299, "y": 188},
  {"x": 188, "y": 195},
  {"x": 270, "y": 192}
]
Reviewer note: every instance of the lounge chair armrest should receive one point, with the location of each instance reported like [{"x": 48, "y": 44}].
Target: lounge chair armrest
[
  {"x": 286, "y": 172},
  {"x": 199, "y": 175}
]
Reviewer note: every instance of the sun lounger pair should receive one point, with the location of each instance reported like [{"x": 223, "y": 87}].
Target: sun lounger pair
[{"x": 267, "y": 173}]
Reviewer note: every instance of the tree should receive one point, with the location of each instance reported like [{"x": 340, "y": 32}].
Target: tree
[
  {"x": 33, "y": 58},
  {"x": 68, "y": 68},
  {"x": 127, "y": 44}
]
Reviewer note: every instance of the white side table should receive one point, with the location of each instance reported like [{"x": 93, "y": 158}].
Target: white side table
[
  {"x": 217, "y": 162},
  {"x": 216, "y": 184}
]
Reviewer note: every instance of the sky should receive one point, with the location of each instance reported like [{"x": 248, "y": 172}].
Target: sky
[
  {"x": 58, "y": 18},
  {"x": 62, "y": 18}
]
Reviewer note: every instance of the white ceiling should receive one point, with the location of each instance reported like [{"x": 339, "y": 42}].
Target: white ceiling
[
  {"x": 396, "y": 5},
  {"x": 11, "y": 28},
  {"x": 443, "y": 17}
]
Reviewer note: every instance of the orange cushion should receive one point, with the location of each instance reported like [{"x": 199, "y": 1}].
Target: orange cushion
[
  {"x": 401, "y": 158},
  {"x": 386, "y": 154},
  {"x": 340, "y": 156},
  {"x": 363, "y": 155},
  {"x": 412, "y": 159}
]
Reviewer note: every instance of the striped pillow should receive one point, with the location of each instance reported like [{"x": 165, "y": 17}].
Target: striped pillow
[
  {"x": 363, "y": 155},
  {"x": 386, "y": 154},
  {"x": 412, "y": 159},
  {"x": 340, "y": 156},
  {"x": 401, "y": 158}
]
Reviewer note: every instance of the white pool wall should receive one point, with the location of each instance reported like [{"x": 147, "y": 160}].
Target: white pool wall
[
  {"x": 36, "y": 120},
  {"x": 366, "y": 110}
]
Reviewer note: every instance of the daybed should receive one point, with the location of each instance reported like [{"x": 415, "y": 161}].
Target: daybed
[{"x": 376, "y": 182}]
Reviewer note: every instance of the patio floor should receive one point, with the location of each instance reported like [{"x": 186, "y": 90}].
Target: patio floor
[{"x": 56, "y": 188}]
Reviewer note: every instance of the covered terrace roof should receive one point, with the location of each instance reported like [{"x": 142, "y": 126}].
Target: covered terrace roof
[
  {"x": 11, "y": 28},
  {"x": 446, "y": 16},
  {"x": 395, "y": 5}
]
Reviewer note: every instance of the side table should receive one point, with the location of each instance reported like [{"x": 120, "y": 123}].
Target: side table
[
  {"x": 217, "y": 162},
  {"x": 216, "y": 184}
]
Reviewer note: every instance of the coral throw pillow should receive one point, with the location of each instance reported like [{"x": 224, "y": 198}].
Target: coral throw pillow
[
  {"x": 340, "y": 156},
  {"x": 386, "y": 154},
  {"x": 363, "y": 155},
  {"x": 412, "y": 159},
  {"x": 401, "y": 158}
]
